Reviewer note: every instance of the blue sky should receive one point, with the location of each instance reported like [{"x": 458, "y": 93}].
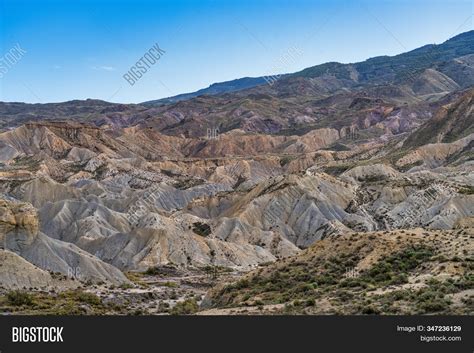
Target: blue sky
[{"x": 81, "y": 49}]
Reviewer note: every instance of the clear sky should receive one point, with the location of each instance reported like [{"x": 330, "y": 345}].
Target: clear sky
[{"x": 81, "y": 49}]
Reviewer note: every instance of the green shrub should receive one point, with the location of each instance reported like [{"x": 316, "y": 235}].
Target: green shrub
[
  {"x": 370, "y": 310},
  {"x": 201, "y": 229},
  {"x": 434, "y": 305},
  {"x": 394, "y": 269},
  {"x": 88, "y": 298},
  {"x": 19, "y": 298},
  {"x": 187, "y": 307},
  {"x": 310, "y": 302}
]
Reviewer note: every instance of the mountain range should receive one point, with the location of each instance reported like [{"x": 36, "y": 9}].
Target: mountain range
[{"x": 274, "y": 188}]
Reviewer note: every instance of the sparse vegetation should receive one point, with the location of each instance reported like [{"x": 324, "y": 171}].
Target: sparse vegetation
[
  {"x": 73, "y": 302},
  {"x": 201, "y": 229},
  {"x": 304, "y": 284},
  {"x": 186, "y": 307},
  {"x": 19, "y": 298}
]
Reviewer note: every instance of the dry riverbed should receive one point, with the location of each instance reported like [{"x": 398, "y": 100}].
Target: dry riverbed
[{"x": 161, "y": 290}]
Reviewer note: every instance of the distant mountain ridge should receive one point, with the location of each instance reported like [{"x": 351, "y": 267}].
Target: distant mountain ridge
[
  {"x": 452, "y": 122},
  {"x": 395, "y": 92},
  {"x": 395, "y": 67},
  {"x": 378, "y": 70},
  {"x": 215, "y": 88}
]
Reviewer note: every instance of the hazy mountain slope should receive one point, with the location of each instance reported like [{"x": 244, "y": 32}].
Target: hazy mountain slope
[
  {"x": 214, "y": 89},
  {"x": 452, "y": 122},
  {"x": 323, "y": 96},
  {"x": 400, "y": 69}
]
